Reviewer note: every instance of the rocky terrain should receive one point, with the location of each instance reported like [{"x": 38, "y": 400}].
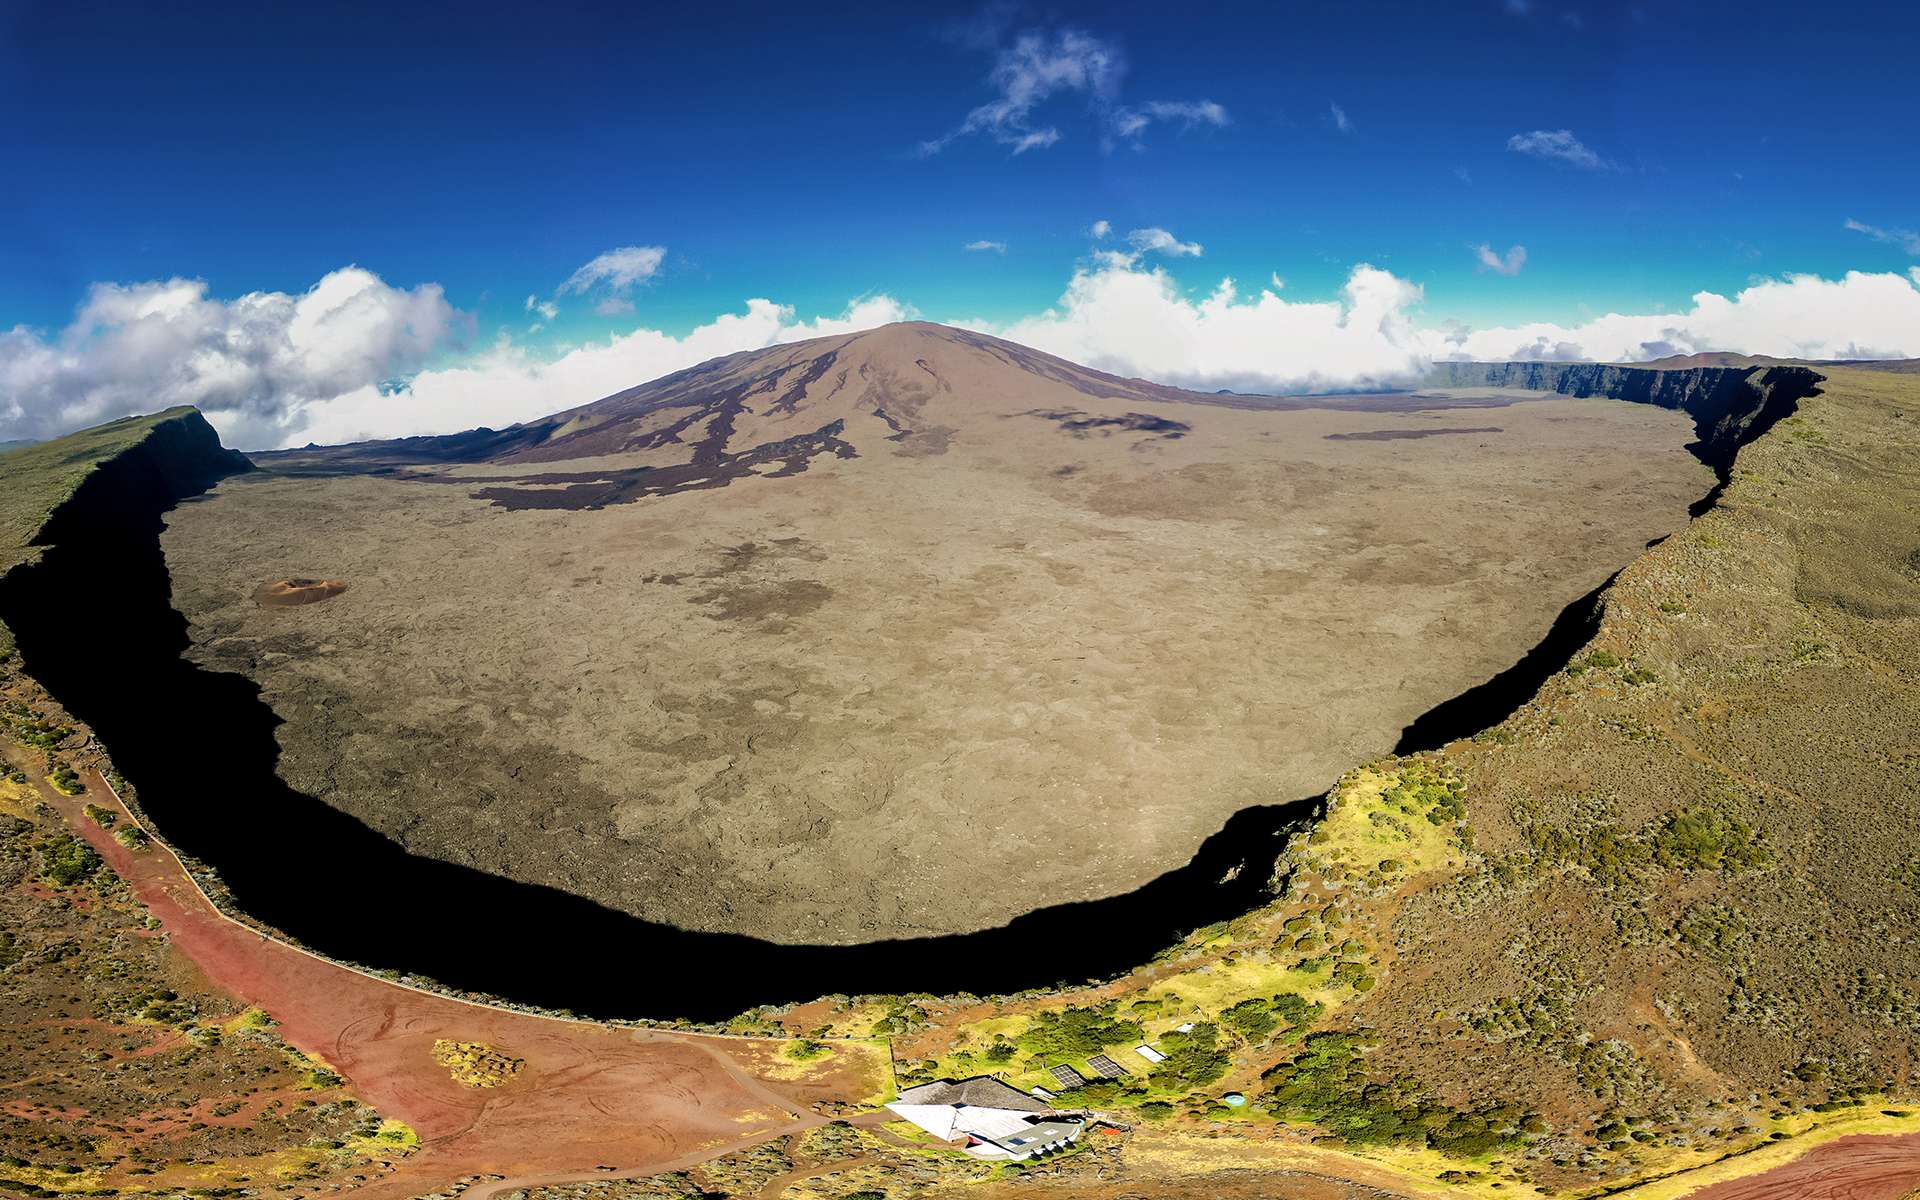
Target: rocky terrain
[{"x": 808, "y": 643}]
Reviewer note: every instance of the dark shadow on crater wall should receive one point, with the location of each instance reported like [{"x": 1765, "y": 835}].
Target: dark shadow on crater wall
[{"x": 1492, "y": 702}]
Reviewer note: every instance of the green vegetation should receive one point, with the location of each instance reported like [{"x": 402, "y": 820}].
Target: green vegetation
[
  {"x": 806, "y": 1049},
  {"x": 66, "y": 860},
  {"x": 1076, "y": 1033},
  {"x": 132, "y": 837},
  {"x": 65, "y": 779},
  {"x": 902, "y": 1016},
  {"x": 1327, "y": 1085},
  {"x": 1709, "y": 840},
  {"x": 103, "y": 817},
  {"x": 1194, "y": 1058}
]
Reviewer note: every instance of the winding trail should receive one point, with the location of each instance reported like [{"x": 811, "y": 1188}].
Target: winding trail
[{"x": 589, "y": 1094}]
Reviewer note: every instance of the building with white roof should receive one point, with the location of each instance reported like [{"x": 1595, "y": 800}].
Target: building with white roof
[{"x": 994, "y": 1120}]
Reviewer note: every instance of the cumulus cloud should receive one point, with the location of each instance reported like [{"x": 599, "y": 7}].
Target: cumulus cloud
[
  {"x": 1121, "y": 317},
  {"x": 1136, "y": 321},
  {"x": 1159, "y": 241},
  {"x": 340, "y": 362},
  {"x": 246, "y": 362},
  {"x": 1040, "y": 65},
  {"x": 1558, "y": 145},
  {"x": 1101, "y": 229},
  {"x": 547, "y": 309},
  {"x": 617, "y": 270},
  {"x": 348, "y": 359},
  {"x": 987, "y": 247},
  {"x": 1860, "y": 315},
  {"x": 1906, "y": 239},
  {"x": 1491, "y": 260}
]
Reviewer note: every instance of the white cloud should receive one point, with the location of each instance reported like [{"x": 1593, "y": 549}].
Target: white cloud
[
  {"x": 1338, "y": 116},
  {"x": 1159, "y": 241},
  {"x": 1135, "y": 321},
  {"x": 1041, "y": 65},
  {"x": 1130, "y": 123},
  {"x": 1490, "y": 260},
  {"x": 245, "y": 362},
  {"x": 1120, "y": 317},
  {"x": 547, "y": 309},
  {"x": 1101, "y": 228},
  {"x": 1906, "y": 239},
  {"x": 275, "y": 369},
  {"x": 614, "y": 306},
  {"x": 617, "y": 270},
  {"x": 1859, "y": 315},
  {"x": 1558, "y": 145},
  {"x": 983, "y": 245}
]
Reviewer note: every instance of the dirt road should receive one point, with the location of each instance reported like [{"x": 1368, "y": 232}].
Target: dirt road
[{"x": 588, "y": 1095}]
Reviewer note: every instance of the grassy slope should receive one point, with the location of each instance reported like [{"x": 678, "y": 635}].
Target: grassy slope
[{"x": 1676, "y": 936}]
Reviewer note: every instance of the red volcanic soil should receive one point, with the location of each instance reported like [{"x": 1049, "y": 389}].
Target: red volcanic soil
[
  {"x": 1866, "y": 1167},
  {"x": 287, "y": 593},
  {"x": 587, "y": 1095}
]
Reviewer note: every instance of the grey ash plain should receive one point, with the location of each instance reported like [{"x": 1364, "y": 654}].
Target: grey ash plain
[{"x": 901, "y": 633}]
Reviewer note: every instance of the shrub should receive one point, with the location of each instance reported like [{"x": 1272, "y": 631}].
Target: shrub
[
  {"x": 103, "y": 817},
  {"x": 1251, "y": 1019},
  {"x": 66, "y": 860},
  {"x": 1603, "y": 659},
  {"x": 1708, "y": 840},
  {"x": 1077, "y": 1033},
  {"x": 1327, "y": 1085},
  {"x": 1156, "y": 1110},
  {"x": 65, "y": 779},
  {"x": 132, "y": 837},
  {"x": 1194, "y": 1058}
]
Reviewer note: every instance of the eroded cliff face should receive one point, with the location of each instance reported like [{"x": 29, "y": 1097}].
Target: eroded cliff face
[
  {"x": 1730, "y": 406},
  {"x": 125, "y": 495}
]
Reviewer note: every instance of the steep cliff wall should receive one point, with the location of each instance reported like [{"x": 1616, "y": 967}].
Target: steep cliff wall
[
  {"x": 1730, "y": 406},
  {"x": 104, "y": 487},
  {"x": 179, "y": 456}
]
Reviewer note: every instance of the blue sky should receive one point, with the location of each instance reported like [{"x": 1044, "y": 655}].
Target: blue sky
[{"x": 777, "y": 151}]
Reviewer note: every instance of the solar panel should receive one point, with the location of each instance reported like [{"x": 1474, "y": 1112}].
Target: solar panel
[
  {"x": 1108, "y": 1068},
  {"x": 1068, "y": 1077}
]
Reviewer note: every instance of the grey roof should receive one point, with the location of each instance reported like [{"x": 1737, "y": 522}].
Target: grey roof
[{"x": 982, "y": 1091}]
